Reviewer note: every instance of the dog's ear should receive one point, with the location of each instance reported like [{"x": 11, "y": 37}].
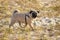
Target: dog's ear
[
  {"x": 38, "y": 11},
  {"x": 30, "y": 11}
]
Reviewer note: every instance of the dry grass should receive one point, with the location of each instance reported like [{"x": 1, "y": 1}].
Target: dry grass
[{"x": 41, "y": 33}]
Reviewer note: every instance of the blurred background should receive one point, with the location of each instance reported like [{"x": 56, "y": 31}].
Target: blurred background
[{"x": 46, "y": 25}]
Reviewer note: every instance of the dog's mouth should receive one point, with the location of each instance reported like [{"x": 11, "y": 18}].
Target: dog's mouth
[{"x": 34, "y": 15}]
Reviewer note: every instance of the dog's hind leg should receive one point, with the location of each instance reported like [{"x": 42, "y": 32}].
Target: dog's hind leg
[
  {"x": 21, "y": 28},
  {"x": 12, "y": 22}
]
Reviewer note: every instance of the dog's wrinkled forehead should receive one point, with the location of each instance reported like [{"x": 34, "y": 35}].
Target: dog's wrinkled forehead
[{"x": 34, "y": 11}]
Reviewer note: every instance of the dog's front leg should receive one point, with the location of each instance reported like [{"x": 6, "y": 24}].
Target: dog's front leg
[{"x": 31, "y": 27}]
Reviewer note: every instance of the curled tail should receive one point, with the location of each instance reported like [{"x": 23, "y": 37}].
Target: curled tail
[{"x": 15, "y": 12}]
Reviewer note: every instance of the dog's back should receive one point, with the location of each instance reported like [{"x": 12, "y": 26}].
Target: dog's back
[{"x": 18, "y": 16}]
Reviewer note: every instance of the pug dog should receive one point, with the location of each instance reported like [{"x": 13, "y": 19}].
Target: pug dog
[{"x": 23, "y": 18}]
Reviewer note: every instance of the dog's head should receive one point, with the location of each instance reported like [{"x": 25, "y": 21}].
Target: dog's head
[{"x": 34, "y": 13}]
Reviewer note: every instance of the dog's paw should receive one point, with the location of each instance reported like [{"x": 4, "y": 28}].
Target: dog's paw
[
  {"x": 22, "y": 29},
  {"x": 32, "y": 29}
]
